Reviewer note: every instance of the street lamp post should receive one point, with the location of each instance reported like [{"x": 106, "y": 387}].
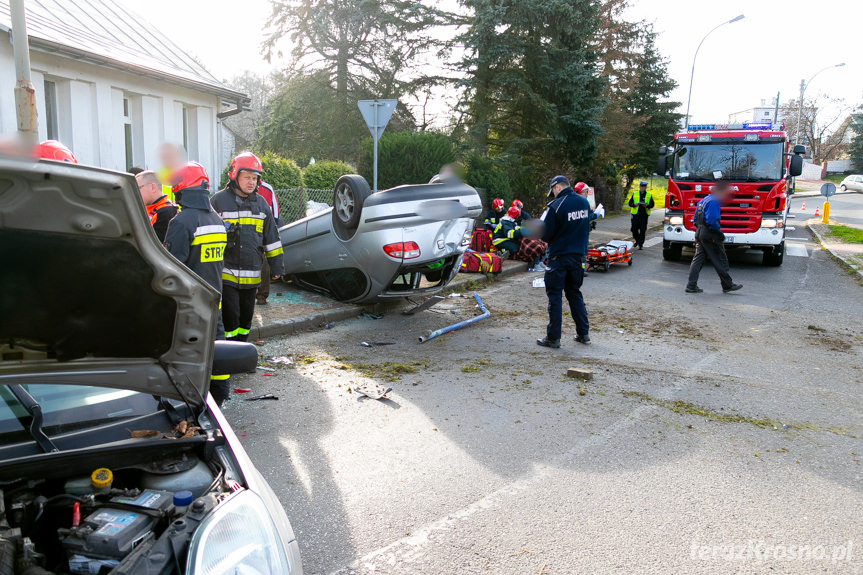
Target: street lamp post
[
  {"x": 692, "y": 78},
  {"x": 803, "y": 86}
]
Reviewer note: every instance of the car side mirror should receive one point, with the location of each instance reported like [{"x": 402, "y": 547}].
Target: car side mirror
[
  {"x": 799, "y": 149},
  {"x": 663, "y": 150},
  {"x": 230, "y": 357},
  {"x": 662, "y": 165},
  {"x": 795, "y": 166}
]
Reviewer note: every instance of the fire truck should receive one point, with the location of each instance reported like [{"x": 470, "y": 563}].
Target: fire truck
[{"x": 755, "y": 161}]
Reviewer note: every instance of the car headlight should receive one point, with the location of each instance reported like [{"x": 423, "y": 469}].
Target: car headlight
[
  {"x": 238, "y": 538},
  {"x": 676, "y": 220}
]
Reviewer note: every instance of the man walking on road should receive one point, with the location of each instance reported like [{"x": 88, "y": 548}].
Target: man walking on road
[
  {"x": 566, "y": 228},
  {"x": 252, "y": 236},
  {"x": 640, "y": 204},
  {"x": 710, "y": 241}
]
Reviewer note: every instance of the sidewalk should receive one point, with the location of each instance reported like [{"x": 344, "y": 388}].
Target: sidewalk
[
  {"x": 850, "y": 254},
  {"x": 616, "y": 227}
]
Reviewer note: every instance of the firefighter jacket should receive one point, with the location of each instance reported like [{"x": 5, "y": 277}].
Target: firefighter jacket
[
  {"x": 492, "y": 218},
  {"x": 196, "y": 236},
  {"x": 161, "y": 212},
  {"x": 267, "y": 192},
  {"x": 506, "y": 230},
  {"x": 252, "y": 236}
]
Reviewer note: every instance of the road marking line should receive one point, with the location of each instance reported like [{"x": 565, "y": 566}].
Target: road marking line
[
  {"x": 796, "y": 250},
  {"x": 653, "y": 241}
]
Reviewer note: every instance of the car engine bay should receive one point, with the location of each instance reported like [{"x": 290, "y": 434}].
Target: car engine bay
[{"x": 136, "y": 519}]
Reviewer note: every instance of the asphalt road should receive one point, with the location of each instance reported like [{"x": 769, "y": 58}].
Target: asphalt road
[
  {"x": 845, "y": 207},
  {"x": 719, "y": 434}
]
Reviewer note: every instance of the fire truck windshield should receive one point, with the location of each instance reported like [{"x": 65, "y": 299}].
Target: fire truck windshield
[{"x": 734, "y": 160}]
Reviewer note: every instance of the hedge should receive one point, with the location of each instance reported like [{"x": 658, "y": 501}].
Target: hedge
[
  {"x": 278, "y": 172},
  {"x": 406, "y": 157},
  {"x": 323, "y": 175}
]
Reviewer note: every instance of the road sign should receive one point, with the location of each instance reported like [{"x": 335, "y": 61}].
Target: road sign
[
  {"x": 828, "y": 189},
  {"x": 377, "y": 114}
]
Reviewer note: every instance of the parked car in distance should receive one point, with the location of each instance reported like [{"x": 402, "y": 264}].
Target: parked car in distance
[
  {"x": 113, "y": 455},
  {"x": 852, "y": 182},
  {"x": 405, "y": 241}
]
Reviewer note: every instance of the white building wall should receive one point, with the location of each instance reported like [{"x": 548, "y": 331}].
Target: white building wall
[{"x": 90, "y": 106}]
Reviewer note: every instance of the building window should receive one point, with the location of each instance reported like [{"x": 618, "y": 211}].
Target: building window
[
  {"x": 51, "y": 113},
  {"x": 127, "y": 132},
  {"x": 190, "y": 130}
]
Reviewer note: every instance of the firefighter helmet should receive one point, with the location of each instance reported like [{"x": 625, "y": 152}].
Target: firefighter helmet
[
  {"x": 497, "y": 204},
  {"x": 189, "y": 175},
  {"x": 517, "y": 204},
  {"x": 54, "y": 150},
  {"x": 513, "y": 212},
  {"x": 245, "y": 161},
  {"x": 579, "y": 187}
]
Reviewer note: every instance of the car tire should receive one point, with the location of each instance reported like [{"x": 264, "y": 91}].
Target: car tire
[
  {"x": 348, "y": 197},
  {"x": 773, "y": 257},
  {"x": 672, "y": 253},
  {"x": 843, "y": 187}
]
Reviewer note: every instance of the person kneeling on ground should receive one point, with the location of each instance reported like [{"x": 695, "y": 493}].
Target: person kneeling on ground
[{"x": 507, "y": 234}]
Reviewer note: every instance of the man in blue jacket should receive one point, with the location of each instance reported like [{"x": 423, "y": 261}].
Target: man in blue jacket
[
  {"x": 710, "y": 241},
  {"x": 566, "y": 227}
]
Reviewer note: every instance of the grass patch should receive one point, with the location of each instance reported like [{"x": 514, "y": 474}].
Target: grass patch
[
  {"x": 470, "y": 368},
  {"x": 847, "y": 234},
  {"x": 835, "y": 178},
  {"x": 386, "y": 371}
]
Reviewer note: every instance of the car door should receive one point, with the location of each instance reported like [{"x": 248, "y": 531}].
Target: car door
[{"x": 858, "y": 183}]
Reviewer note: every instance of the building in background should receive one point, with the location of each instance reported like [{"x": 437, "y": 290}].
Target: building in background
[
  {"x": 763, "y": 113},
  {"x": 113, "y": 88}
]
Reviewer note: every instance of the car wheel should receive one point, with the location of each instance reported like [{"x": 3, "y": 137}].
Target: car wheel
[
  {"x": 348, "y": 197},
  {"x": 773, "y": 256},
  {"x": 843, "y": 187}
]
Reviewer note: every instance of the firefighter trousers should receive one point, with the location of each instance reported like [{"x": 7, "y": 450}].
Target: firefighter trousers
[{"x": 238, "y": 309}]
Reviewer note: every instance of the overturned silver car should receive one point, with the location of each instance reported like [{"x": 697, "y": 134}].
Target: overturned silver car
[{"x": 395, "y": 243}]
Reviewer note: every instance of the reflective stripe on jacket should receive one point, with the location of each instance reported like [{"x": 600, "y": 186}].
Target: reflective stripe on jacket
[
  {"x": 252, "y": 236},
  {"x": 505, "y": 231}
]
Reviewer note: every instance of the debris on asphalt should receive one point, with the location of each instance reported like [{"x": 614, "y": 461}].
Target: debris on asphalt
[
  {"x": 369, "y": 315},
  {"x": 268, "y": 374},
  {"x": 579, "y": 373},
  {"x": 242, "y": 390},
  {"x": 262, "y": 368},
  {"x": 373, "y": 390},
  {"x": 539, "y": 282},
  {"x": 485, "y": 313},
  {"x": 504, "y": 339},
  {"x": 258, "y": 341},
  {"x": 426, "y": 305},
  {"x": 283, "y": 359},
  {"x": 375, "y": 343},
  {"x": 262, "y": 397},
  {"x": 455, "y": 295},
  {"x": 330, "y": 325}
]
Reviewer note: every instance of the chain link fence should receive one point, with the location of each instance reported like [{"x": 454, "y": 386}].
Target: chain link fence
[{"x": 293, "y": 202}]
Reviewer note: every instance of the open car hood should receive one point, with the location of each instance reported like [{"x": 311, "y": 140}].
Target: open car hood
[{"x": 89, "y": 296}]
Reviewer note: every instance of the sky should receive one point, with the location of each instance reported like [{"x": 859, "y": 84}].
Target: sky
[{"x": 778, "y": 43}]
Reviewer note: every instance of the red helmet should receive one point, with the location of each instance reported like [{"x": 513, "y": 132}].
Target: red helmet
[
  {"x": 579, "y": 187},
  {"x": 189, "y": 175},
  {"x": 54, "y": 150},
  {"x": 497, "y": 204},
  {"x": 513, "y": 212},
  {"x": 517, "y": 204},
  {"x": 245, "y": 161}
]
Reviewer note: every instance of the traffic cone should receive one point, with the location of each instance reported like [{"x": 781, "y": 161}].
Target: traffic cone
[
  {"x": 803, "y": 207},
  {"x": 817, "y": 212}
]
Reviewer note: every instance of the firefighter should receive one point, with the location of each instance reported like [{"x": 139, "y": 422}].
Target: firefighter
[
  {"x": 492, "y": 218},
  {"x": 507, "y": 233},
  {"x": 710, "y": 241},
  {"x": 160, "y": 209},
  {"x": 640, "y": 204},
  {"x": 267, "y": 192},
  {"x": 252, "y": 237},
  {"x": 54, "y": 150},
  {"x": 522, "y": 215},
  {"x": 197, "y": 238},
  {"x": 566, "y": 226}
]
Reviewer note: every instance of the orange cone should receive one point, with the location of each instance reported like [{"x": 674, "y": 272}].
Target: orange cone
[
  {"x": 803, "y": 207},
  {"x": 817, "y": 212}
]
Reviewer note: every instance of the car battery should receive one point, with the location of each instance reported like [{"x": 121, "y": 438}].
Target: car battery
[{"x": 110, "y": 533}]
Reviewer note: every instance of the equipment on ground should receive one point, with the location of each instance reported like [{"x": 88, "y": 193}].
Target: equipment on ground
[{"x": 601, "y": 256}]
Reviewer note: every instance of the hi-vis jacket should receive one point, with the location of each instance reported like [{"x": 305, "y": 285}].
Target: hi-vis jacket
[
  {"x": 252, "y": 236},
  {"x": 196, "y": 236},
  {"x": 506, "y": 230}
]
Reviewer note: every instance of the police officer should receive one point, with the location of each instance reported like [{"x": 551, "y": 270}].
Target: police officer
[
  {"x": 196, "y": 237},
  {"x": 252, "y": 236},
  {"x": 566, "y": 227},
  {"x": 710, "y": 241},
  {"x": 640, "y": 204}
]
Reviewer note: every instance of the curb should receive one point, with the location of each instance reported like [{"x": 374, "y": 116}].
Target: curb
[
  {"x": 297, "y": 324},
  {"x": 464, "y": 279},
  {"x": 832, "y": 252}
]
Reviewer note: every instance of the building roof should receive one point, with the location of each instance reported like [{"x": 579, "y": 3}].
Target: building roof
[{"x": 108, "y": 34}]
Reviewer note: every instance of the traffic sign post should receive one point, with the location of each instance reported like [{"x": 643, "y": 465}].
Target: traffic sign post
[
  {"x": 827, "y": 190},
  {"x": 377, "y": 114}
]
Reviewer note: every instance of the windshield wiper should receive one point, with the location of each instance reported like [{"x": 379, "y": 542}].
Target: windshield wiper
[{"x": 29, "y": 403}]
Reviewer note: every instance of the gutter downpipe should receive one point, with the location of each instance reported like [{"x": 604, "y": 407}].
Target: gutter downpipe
[{"x": 25, "y": 93}]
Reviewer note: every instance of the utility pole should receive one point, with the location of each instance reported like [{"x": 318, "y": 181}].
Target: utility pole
[
  {"x": 776, "y": 110},
  {"x": 25, "y": 93},
  {"x": 800, "y": 110}
]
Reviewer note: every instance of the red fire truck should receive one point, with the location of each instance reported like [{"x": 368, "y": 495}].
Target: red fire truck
[{"x": 754, "y": 160}]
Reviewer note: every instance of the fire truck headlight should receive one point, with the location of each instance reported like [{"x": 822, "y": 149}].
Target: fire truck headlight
[
  {"x": 676, "y": 220},
  {"x": 771, "y": 223}
]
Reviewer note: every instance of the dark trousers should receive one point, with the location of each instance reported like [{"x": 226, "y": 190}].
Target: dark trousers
[
  {"x": 264, "y": 288},
  {"x": 564, "y": 277},
  {"x": 509, "y": 245},
  {"x": 715, "y": 251},
  {"x": 639, "y": 228},
  {"x": 220, "y": 386},
  {"x": 238, "y": 309}
]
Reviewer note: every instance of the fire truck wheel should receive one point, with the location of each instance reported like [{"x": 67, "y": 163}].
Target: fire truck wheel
[
  {"x": 672, "y": 253},
  {"x": 773, "y": 256}
]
